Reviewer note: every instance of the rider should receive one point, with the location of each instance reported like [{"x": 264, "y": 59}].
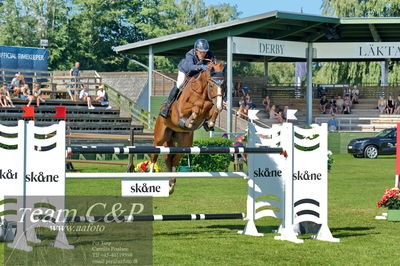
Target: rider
[{"x": 196, "y": 61}]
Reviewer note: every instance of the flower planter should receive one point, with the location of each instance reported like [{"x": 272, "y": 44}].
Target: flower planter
[{"x": 393, "y": 215}]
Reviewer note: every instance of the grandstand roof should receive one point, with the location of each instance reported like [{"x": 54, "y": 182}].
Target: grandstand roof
[{"x": 276, "y": 25}]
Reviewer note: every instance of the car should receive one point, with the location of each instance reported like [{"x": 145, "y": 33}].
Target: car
[{"x": 383, "y": 143}]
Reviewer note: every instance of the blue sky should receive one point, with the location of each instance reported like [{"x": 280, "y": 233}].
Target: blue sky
[{"x": 255, "y": 7}]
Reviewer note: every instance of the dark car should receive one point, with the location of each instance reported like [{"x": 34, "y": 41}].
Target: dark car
[{"x": 383, "y": 143}]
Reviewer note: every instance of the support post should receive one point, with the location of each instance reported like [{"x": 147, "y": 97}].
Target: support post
[
  {"x": 309, "y": 99},
  {"x": 229, "y": 84},
  {"x": 150, "y": 78}
]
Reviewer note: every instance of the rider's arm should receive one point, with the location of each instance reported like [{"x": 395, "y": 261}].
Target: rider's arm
[{"x": 188, "y": 64}]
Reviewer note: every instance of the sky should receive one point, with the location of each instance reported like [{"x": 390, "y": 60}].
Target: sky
[{"x": 256, "y": 7}]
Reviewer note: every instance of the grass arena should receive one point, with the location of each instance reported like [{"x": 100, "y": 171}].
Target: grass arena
[{"x": 351, "y": 218}]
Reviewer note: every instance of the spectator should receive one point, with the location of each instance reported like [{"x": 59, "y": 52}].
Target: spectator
[
  {"x": 242, "y": 108},
  {"x": 267, "y": 104},
  {"x": 25, "y": 92},
  {"x": 275, "y": 115},
  {"x": 36, "y": 94},
  {"x": 239, "y": 143},
  {"x": 398, "y": 104},
  {"x": 354, "y": 94},
  {"x": 381, "y": 104},
  {"x": 322, "y": 104},
  {"x": 347, "y": 105},
  {"x": 16, "y": 83},
  {"x": 102, "y": 97},
  {"x": 332, "y": 124},
  {"x": 390, "y": 105},
  {"x": 84, "y": 96},
  {"x": 339, "y": 105},
  {"x": 74, "y": 73},
  {"x": 332, "y": 106},
  {"x": 5, "y": 97},
  {"x": 346, "y": 91},
  {"x": 249, "y": 103},
  {"x": 237, "y": 91}
]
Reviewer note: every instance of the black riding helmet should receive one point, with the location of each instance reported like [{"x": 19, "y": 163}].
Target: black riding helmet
[{"x": 201, "y": 45}]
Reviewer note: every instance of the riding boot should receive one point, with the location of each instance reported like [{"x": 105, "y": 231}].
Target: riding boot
[{"x": 171, "y": 97}]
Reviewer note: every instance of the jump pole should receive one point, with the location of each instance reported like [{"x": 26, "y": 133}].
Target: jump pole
[
  {"x": 157, "y": 175},
  {"x": 170, "y": 150},
  {"x": 142, "y": 218}
]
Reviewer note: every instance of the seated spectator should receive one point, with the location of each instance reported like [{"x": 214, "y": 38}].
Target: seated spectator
[
  {"x": 398, "y": 104},
  {"x": 267, "y": 104},
  {"x": 354, "y": 94},
  {"x": 243, "y": 108},
  {"x": 381, "y": 104},
  {"x": 347, "y": 105},
  {"x": 332, "y": 106},
  {"x": 273, "y": 114},
  {"x": 5, "y": 97},
  {"x": 249, "y": 103},
  {"x": 332, "y": 124},
  {"x": 25, "y": 92},
  {"x": 102, "y": 97},
  {"x": 84, "y": 96},
  {"x": 238, "y": 90},
  {"x": 322, "y": 104},
  {"x": 16, "y": 83},
  {"x": 346, "y": 91},
  {"x": 390, "y": 105},
  {"x": 36, "y": 94},
  {"x": 339, "y": 105}
]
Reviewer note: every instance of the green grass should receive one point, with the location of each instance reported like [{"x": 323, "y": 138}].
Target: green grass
[{"x": 354, "y": 187}]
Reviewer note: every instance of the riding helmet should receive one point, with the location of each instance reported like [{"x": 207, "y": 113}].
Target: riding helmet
[{"x": 201, "y": 45}]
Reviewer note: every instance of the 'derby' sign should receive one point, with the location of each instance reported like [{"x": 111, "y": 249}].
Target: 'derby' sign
[{"x": 267, "y": 47}]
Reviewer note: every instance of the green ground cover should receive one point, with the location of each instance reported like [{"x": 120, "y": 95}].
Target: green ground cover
[{"x": 354, "y": 187}]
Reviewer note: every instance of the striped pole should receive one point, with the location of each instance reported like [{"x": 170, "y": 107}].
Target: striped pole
[
  {"x": 169, "y": 150},
  {"x": 157, "y": 175},
  {"x": 141, "y": 218}
]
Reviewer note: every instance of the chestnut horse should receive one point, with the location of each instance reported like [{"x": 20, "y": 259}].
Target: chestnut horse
[{"x": 198, "y": 103}]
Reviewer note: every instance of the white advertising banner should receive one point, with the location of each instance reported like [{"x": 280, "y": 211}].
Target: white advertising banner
[
  {"x": 145, "y": 188},
  {"x": 357, "y": 50},
  {"x": 267, "y": 47}
]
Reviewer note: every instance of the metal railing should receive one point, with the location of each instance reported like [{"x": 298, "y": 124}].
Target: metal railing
[{"x": 129, "y": 106}]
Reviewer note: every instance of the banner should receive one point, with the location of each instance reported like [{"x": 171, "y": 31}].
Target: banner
[
  {"x": 22, "y": 58},
  {"x": 267, "y": 47}
]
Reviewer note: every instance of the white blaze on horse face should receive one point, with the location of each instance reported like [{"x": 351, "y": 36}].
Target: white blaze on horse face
[{"x": 219, "y": 99}]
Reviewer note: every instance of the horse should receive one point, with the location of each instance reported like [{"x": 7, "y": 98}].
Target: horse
[{"x": 200, "y": 102}]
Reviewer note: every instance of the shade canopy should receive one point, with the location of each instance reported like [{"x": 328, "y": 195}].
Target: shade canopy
[{"x": 274, "y": 25}]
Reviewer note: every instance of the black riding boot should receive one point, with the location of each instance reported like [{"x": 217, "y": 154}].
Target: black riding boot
[{"x": 171, "y": 97}]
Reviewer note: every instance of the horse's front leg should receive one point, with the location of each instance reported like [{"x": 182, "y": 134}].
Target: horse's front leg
[
  {"x": 213, "y": 118},
  {"x": 195, "y": 113}
]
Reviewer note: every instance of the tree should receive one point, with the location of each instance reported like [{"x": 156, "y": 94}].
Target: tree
[{"x": 357, "y": 72}]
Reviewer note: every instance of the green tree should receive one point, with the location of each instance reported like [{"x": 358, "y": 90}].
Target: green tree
[{"x": 357, "y": 72}]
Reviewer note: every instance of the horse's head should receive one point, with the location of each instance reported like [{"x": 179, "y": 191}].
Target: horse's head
[{"x": 215, "y": 89}]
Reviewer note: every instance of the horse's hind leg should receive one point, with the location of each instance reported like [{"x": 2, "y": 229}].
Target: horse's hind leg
[{"x": 161, "y": 135}]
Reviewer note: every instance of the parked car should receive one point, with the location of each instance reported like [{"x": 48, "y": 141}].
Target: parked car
[{"x": 383, "y": 143}]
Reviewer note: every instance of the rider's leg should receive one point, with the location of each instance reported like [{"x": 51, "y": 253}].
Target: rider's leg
[{"x": 171, "y": 97}]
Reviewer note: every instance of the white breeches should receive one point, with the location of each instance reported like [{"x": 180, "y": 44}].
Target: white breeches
[{"x": 181, "y": 79}]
